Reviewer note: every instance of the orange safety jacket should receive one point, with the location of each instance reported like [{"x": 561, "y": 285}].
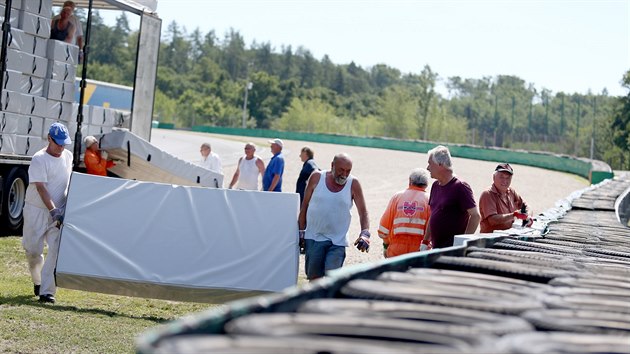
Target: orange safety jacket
[
  {"x": 404, "y": 221},
  {"x": 95, "y": 165}
]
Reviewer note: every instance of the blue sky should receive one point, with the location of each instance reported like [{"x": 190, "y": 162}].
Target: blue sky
[{"x": 571, "y": 46}]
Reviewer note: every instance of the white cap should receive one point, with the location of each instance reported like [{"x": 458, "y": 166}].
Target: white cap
[
  {"x": 89, "y": 140},
  {"x": 277, "y": 142}
]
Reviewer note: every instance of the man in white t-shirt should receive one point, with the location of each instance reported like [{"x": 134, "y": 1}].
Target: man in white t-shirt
[
  {"x": 78, "y": 29},
  {"x": 49, "y": 176},
  {"x": 209, "y": 159}
]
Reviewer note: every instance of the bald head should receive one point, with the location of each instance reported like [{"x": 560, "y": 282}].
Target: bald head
[{"x": 340, "y": 168}]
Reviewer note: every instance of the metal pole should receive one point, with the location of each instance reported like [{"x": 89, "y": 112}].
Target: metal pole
[
  {"x": 245, "y": 105},
  {"x": 577, "y": 126},
  {"x": 593, "y": 129},
  {"x": 78, "y": 137}
]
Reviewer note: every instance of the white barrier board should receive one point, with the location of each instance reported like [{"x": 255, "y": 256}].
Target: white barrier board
[
  {"x": 176, "y": 242},
  {"x": 145, "y": 162}
]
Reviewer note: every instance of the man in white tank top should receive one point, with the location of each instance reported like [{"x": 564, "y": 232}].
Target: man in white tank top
[
  {"x": 325, "y": 217},
  {"x": 49, "y": 176},
  {"x": 248, "y": 169}
]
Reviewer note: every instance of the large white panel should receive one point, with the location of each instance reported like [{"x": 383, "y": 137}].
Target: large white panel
[
  {"x": 21, "y": 144},
  {"x": 176, "y": 242},
  {"x": 14, "y": 20},
  {"x": 37, "y": 65},
  {"x": 9, "y": 122},
  {"x": 18, "y": 40},
  {"x": 34, "y": 85},
  {"x": 146, "y": 162},
  {"x": 16, "y": 81},
  {"x": 7, "y": 143},
  {"x": 33, "y": 24},
  {"x": 98, "y": 129},
  {"x": 15, "y": 61},
  {"x": 102, "y": 116},
  {"x": 35, "y": 105},
  {"x": 58, "y": 70},
  {"x": 13, "y": 81},
  {"x": 40, "y": 46},
  {"x": 59, "y": 90},
  {"x": 20, "y": 124},
  {"x": 13, "y": 101},
  {"x": 38, "y": 7},
  {"x": 61, "y": 110},
  {"x": 62, "y": 51}
]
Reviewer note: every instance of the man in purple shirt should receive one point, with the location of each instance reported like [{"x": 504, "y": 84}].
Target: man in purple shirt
[{"x": 453, "y": 207}]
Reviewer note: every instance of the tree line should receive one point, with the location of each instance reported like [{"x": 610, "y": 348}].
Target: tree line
[{"x": 205, "y": 79}]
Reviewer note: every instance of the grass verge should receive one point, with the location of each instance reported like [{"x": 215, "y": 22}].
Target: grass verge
[{"x": 80, "y": 321}]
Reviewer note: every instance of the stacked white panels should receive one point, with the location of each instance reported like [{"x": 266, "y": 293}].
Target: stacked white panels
[
  {"x": 176, "y": 242},
  {"x": 140, "y": 160},
  {"x": 24, "y": 105}
]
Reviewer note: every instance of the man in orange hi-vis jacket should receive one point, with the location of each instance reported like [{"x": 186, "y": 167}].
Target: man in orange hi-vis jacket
[
  {"x": 96, "y": 162},
  {"x": 405, "y": 220}
]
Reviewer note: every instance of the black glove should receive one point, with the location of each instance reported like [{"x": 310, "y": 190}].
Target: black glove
[
  {"x": 302, "y": 242},
  {"x": 57, "y": 216},
  {"x": 363, "y": 241}
]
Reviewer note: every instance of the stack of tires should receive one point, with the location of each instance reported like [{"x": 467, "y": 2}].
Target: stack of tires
[{"x": 567, "y": 292}]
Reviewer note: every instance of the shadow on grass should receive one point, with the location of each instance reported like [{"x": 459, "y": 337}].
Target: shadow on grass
[{"x": 26, "y": 300}]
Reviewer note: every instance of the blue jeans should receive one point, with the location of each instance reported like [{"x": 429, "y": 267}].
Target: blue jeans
[{"x": 322, "y": 256}]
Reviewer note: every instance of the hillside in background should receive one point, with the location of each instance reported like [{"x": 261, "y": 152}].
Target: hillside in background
[{"x": 203, "y": 79}]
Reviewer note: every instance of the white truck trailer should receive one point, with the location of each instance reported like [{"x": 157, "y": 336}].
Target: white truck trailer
[{"x": 38, "y": 89}]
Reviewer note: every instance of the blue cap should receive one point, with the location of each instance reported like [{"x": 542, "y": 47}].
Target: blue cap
[{"x": 59, "y": 133}]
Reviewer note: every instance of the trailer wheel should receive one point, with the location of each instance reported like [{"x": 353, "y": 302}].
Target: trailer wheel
[{"x": 13, "y": 195}]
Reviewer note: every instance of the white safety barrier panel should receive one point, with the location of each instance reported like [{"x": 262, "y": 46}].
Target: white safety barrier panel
[
  {"x": 139, "y": 159},
  {"x": 176, "y": 242}
]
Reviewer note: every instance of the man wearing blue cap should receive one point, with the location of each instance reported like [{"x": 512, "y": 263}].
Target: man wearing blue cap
[{"x": 48, "y": 175}]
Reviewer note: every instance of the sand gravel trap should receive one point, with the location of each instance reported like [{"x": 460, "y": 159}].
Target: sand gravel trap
[{"x": 381, "y": 172}]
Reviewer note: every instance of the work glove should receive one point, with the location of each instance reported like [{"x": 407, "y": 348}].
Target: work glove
[
  {"x": 104, "y": 155},
  {"x": 521, "y": 216},
  {"x": 57, "y": 216},
  {"x": 363, "y": 241},
  {"x": 385, "y": 245},
  {"x": 425, "y": 245},
  {"x": 302, "y": 242},
  {"x": 528, "y": 222}
]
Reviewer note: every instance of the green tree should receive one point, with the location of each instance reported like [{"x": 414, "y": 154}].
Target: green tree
[
  {"x": 308, "y": 115},
  {"x": 397, "y": 111}
]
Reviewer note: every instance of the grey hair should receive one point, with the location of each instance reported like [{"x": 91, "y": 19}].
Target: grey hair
[
  {"x": 206, "y": 145},
  {"x": 251, "y": 144},
  {"x": 441, "y": 156},
  {"x": 419, "y": 177}
]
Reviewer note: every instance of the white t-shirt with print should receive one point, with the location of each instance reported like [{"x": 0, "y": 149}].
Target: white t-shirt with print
[{"x": 55, "y": 172}]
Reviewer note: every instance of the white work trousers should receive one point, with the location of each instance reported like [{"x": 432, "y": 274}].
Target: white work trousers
[{"x": 39, "y": 227}]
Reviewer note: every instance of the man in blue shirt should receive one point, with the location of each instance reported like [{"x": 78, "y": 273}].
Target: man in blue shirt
[{"x": 272, "y": 180}]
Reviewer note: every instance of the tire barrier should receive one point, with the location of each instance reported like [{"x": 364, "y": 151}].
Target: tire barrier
[
  {"x": 467, "y": 297},
  {"x": 583, "y": 321},
  {"x": 429, "y": 336},
  {"x": 592, "y": 283},
  {"x": 523, "y": 271},
  {"x": 563, "y": 343},
  {"x": 475, "y": 321},
  {"x": 294, "y": 345},
  {"x": 587, "y": 302},
  {"x": 565, "y": 291}
]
